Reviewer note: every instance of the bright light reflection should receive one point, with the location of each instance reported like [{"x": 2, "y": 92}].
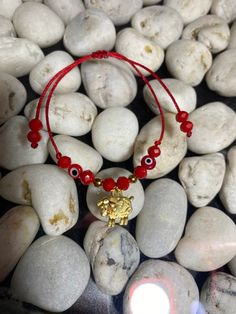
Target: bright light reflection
[{"x": 149, "y": 298}]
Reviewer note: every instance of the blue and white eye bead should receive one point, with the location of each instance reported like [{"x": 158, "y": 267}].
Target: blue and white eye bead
[
  {"x": 148, "y": 162},
  {"x": 75, "y": 170}
]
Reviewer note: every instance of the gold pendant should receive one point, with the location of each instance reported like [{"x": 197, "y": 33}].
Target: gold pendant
[{"x": 116, "y": 206}]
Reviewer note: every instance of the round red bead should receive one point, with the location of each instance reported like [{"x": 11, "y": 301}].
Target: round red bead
[
  {"x": 181, "y": 116},
  {"x": 140, "y": 172},
  {"x": 108, "y": 184},
  {"x": 148, "y": 162},
  {"x": 64, "y": 162},
  {"x": 87, "y": 177},
  {"x": 154, "y": 151},
  {"x": 122, "y": 183},
  {"x": 35, "y": 124},
  {"x": 186, "y": 126},
  {"x": 34, "y": 145},
  {"x": 34, "y": 137}
]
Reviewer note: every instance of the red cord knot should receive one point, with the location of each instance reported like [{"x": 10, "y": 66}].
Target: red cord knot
[{"x": 100, "y": 54}]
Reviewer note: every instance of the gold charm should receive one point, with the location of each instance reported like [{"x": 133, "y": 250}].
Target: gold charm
[{"x": 116, "y": 206}]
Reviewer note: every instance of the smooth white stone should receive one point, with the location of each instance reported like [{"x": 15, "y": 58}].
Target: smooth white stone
[
  {"x": 7, "y": 8},
  {"x": 35, "y": 21},
  {"x": 113, "y": 254},
  {"x": 221, "y": 78},
  {"x": 228, "y": 191},
  {"x": 89, "y": 31},
  {"x": 202, "y": 177},
  {"x": 6, "y": 27},
  {"x": 32, "y": 0},
  {"x": 70, "y": 114},
  {"x": 161, "y": 24},
  {"x": 79, "y": 152},
  {"x": 18, "y": 228},
  {"x": 95, "y": 194},
  {"x": 225, "y": 9},
  {"x": 67, "y": 10},
  {"x": 119, "y": 11},
  {"x": 109, "y": 83},
  {"x": 218, "y": 294},
  {"x": 51, "y": 192},
  {"x": 52, "y": 274},
  {"x": 114, "y": 132},
  {"x": 136, "y": 47},
  {"x": 214, "y": 128},
  {"x": 190, "y": 10},
  {"x": 232, "y": 41},
  {"x": 207, "y": 246},
  {"x": 175, "y": 282},
  {"x": 48, "y": 67},
  {"x": 161, "y": 222},
  {"x": 232, "y": 266},
  {"x": 13, "y": 96},
  {"x": 188, "y": 61},
  {"x": 210, "y": 30},
  {"x": 173, "y": 147},
  {"x": 184, "y": 94},
  {"x": 18, "y": 55},
  {"x": 16, "y": 150}
]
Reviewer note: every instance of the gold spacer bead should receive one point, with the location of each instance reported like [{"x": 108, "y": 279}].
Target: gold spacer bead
[
  {"x": 97, "y": 182},
  {"x": 132, "y": 178}
]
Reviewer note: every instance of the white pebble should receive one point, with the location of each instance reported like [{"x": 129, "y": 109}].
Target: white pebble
[
  {"x": 18, "y": 227},
  {"x": 184, "y": 94},
  {"x": 109, "y": 82},
  {"x": 227, "y": 193},
  {"x": 173, "y": 147},
  {"x": 136, "y": 47},
  {"x": 177, "y": 289},
  {"x": 214, "y": 128},
  {"x": 49, "y": 189},
  {"x": 6, "y": 27},
  {"x": 161, "y": 24},
  {"x": 35, "y": 21},
  {"x": 119, "y": 11},
  {"x": 218, "y": 294},
  {"x": 7, "y": 8},
  {"x": 194, "y": 252},
  {"x": 48, "y": 67},
  {"x": 232, "y": 41},
  {"x": 114, "y": 132},
  {"x": 188, "y": 60},
  {"x": 52, "y": 274},
  {"x": 16, "y": 150},
  {"x": 89, "y": 31},
  {"x": 67, "y": 10},
  {"x": 221, "y": 78},
  {"x": 202, "y": 177},
  {"x": 225, "y": 9},
  {"x": 113, "y": 253},
  {"x": 190, "y": 10},
  {"x": 95, "y": 194},
  {"x": 79, "y": 152},
  {"x": 18, "y": 55},
  {"x": 210, "y": 30},
  {"x": 13, "y": 96},
  {"x": 160, "y": 223},
  {"x": 70, "y": 114}
]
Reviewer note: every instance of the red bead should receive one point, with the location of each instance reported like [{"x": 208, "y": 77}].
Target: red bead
[
  {"x": 181, "y": 116},
  {"x": 186, "y": 126},
  {"x": 148, "y": 162},
  {"x": 75, "y": 170},
  {"x": 64, "y": 162},
  {"x": 34, "y": 137},
  {"x": 122, "y": 183},
  {"x": 34, "y": 145},
  {"x": 35, "y": 124},
  {"x": 154, "y": 151},
  {"x": 140, "y": 172},
  {"x": 87, "y": 177},
  {"x": 108, "y": 184}
]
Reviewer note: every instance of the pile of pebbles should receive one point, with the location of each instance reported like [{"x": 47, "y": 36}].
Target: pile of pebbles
[{"x": 56, "y": 252}]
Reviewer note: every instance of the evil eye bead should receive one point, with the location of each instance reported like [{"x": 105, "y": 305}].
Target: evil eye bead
[
  {"x": 148, "y": 162},
  {"x": 75, "y": 171}
]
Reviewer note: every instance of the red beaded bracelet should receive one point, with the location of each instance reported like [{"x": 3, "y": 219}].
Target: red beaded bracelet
[{"x": 116, "y": 207}]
